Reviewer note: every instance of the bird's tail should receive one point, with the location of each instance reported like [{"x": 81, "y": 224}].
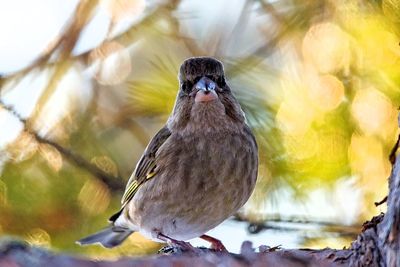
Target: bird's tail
[{"x": 109, "y": 237}]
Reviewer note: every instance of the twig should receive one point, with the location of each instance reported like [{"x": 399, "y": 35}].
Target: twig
[
  {"x": 126, "y": 38},
  {"x": 114, "y": 183},
  {"x": 68, "y": 40},
  {"x": 256, "y": 227},
  {"x": 270, "y": 9},
  {"x": 392, "y": 155},
  {"x": 378, "y": 203},
  {"x": 190, "y": 43}
]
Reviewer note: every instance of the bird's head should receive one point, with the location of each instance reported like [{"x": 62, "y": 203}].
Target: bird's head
[
  {"x": 202, "y": 78},
  {"x": 204, "y": 92}
]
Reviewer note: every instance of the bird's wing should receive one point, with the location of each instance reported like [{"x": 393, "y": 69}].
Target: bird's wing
[{"x": 145, "y": 169}]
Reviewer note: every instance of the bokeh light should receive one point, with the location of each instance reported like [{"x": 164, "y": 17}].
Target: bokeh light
[
  {"x": 373, "y": 111},
  {"x": 327, "y": 47}
]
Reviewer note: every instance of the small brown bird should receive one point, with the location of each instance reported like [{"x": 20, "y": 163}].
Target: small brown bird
[{"x": 198, "y": 170}]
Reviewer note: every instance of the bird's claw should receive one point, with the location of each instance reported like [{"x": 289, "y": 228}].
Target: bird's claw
[
  {"x": 176, "y": 245},
  {"x": 177, "y": 249},
  {"x": 185, "y": 246},
  {"x": 218, "y": 246},
  {"x": 168, "y": 250}
]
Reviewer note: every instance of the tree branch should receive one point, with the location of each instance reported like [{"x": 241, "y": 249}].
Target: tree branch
[
  {"x": 114, "y": 183},
  {"x": 18, "y": 253}
]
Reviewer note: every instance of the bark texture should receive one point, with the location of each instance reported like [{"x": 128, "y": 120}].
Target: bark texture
[
  {"x": 379, "y": 243},
  {"x": 15, "y": 253}
]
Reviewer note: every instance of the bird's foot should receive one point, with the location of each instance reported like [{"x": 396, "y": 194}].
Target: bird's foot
[
  {"x": 168, "y": 250},
  {"x": 216, "y": 244},
  {"x": 183, "y": 245},
  {"x": 176, "y": 244}
]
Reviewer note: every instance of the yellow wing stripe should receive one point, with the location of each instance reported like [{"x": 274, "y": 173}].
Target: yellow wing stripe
[
  {"x": 133, "y": 187},
  {"x": 150, "y": 175},
  {"x": 129, "y": 192}
]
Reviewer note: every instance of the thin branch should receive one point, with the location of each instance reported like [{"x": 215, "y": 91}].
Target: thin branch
[
  {"x": 378, "y": 203},
  {"x": 255, "y": 227},
  {"x": 114, "y": 183},
  {"x": 69, "y": 38},
  {"x": 190, "y": 43},
  {"x": 127, "y": 37},
  {"x": 270, "y": 9},
  {"x": 124, "y": 38},
  {"x": 65, "y": 42}
]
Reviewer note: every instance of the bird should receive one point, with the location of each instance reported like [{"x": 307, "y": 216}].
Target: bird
[{"x": 197, "y": 171}]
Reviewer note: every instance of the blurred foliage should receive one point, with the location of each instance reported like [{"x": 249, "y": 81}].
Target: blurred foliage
[{"x": 318, "y": 81}]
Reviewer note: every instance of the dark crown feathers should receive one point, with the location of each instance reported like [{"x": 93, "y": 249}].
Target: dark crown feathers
[{"x": 200, "y": 66}]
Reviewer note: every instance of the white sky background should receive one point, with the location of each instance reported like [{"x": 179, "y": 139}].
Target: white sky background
[{"x": 27, "y": 28}]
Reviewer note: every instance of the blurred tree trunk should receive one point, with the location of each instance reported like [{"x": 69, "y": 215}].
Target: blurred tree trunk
[{"x": 377, "y": 245}]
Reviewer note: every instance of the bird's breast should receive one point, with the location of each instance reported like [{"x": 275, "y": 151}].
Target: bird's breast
[{"x": 213, "y": 168}]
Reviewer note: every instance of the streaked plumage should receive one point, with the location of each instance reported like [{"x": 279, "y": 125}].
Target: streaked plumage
[{"x": 199, "y": 169}]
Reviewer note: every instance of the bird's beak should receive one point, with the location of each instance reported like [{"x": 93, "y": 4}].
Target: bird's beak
[{"x": 205, "y": 90}]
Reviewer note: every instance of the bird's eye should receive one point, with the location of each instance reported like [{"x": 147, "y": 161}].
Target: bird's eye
[
  {"x": 186, "y": 87},
  {"x": 221, "y": 81}
]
